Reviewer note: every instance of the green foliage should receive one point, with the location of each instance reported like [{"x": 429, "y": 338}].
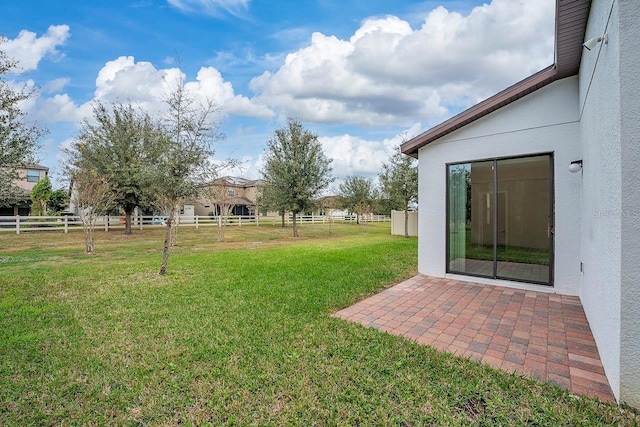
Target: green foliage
[
  {"x": 18, "y": 139},
  {"x": 357, "y": 194},
  {"x": 59, "y": 200},
  {"x": 399, "y": 182},
  {"x": 239, "y": 333},
  {"x": 296, "y": 170},
  {"x": 119, "y": 142},
  {"x": 40, "y": 195}
]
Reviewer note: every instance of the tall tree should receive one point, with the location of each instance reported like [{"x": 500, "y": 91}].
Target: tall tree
[
  {"x": 271, "y": 200},
  {"x": 184, "y": 166},
  {"x": 296, "y": 170},
  {"x": 18, "y": 139},
  {"x": 59, "y": 200},
  {"x": 399, "y": 183},
  {"x": 356, "y": 195},
  {"x": 119, "y": 142},
  {"x": 40, "y": 196}
]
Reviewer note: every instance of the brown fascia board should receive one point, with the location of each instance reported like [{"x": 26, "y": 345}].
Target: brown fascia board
[
  {"x": 571, "y": 23},
  {"x": 512, "y": 93},
  {"x": 37, "y": 167}
]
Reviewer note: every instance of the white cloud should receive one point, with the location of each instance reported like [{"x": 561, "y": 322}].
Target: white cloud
[
  {"x": 123, "y": 79},
  {"x": 55, "y": 85},
  {"x": 353, "y": 155},
  {"x": 350, "y": 155},
  {"x": 390, "y": 73},
  {"x": 29, "y": 49},
  {"x": 212, "y": 7},
  {"x": 141, "y": 83}
]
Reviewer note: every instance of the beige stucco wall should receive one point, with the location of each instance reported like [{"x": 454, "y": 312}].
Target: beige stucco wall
[{"x": 23, "y": 183}]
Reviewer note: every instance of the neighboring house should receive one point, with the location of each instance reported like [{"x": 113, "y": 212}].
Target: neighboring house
[
  {"x": 539, "y": 186},
  {"x": 237, "y": 196},
  {"x": 28, "y": 178}
]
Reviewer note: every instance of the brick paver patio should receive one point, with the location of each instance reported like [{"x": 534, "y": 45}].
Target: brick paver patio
[{"x": 537, "y": 334}]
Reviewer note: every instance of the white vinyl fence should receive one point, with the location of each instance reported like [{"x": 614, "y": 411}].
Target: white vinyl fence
[
  {"x": 21, "y": 224},
  {"x": 397, "y": 223}
]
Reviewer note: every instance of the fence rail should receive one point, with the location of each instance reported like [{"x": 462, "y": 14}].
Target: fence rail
[{"x": 20, "y": 224}]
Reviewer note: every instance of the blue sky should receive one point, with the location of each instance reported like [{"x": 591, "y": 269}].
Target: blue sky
[{"x": 362, "y": 74}]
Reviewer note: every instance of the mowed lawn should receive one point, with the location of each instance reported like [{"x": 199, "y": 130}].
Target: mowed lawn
[{"x": 237, "y": 333}]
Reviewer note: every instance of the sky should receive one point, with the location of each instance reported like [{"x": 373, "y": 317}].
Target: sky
[{"x": 363, "y": 75}]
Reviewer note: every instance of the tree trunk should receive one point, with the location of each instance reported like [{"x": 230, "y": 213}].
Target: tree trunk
[
  {"x": 220, "y": 229},
  {"x": 282, "y": 219},
  {"x": 295, "y": 225},
  {"x": 406, "y": 218},
  {"x": 88, "y": 240},
  {"x": 221, "y": 222},
  {"x": 176, "y": 223},
  {"x": 167, "y": 242},
  {"x": 88, "y": 225},
  {"x": 128, "y": 211}
]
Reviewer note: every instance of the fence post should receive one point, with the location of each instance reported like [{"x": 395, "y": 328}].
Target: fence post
[
  {"x": 240, "y": 221},
  {"x": 17, "y": 224},
  {"x": 140, "y": 220},
  {"x": 106, "y": 224},
  {"x": 66, "y": 225},
  {"x": 196, "y": 222}
]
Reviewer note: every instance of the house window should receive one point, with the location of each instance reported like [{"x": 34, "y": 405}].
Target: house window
[
  {"x": 232, "y": 192},
  {"x": 500, "y": 218},
  {"x": 33, "y": 175}
]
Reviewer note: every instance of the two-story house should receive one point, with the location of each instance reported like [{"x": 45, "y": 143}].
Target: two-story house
[
  {"x": 230, "y": 195},
  {"x": 28, "y": 178}
]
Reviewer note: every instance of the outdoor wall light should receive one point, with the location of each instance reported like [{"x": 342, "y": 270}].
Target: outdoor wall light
[
  {"x": 575, "y": 166},
  {"x": 591, "y": 43}
]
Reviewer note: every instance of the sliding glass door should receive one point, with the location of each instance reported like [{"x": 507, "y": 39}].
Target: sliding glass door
[{"x": 500, "y": 218}]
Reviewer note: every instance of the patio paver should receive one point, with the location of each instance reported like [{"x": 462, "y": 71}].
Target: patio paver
[{"x": 542, "y": 335}]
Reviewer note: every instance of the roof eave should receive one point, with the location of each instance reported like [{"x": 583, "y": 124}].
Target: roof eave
[
  {"x": 570, "y": 26},
  {"x": 510, "y": 94}
]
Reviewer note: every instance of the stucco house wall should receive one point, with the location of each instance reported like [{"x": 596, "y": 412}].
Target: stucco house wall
[
  {"x": 28, "y": 185},
  {"x": 610, "y": 136},
  {"x": 629, "y": 33},
  {"x": 545, "y": 121},
  {"x": 601, "y": 178}
]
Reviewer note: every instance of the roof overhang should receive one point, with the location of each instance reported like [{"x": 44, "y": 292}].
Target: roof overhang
[{"x": 571, "y": 23}]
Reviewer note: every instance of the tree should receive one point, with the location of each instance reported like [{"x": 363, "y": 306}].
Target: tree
[
  {"x": 272, "y": 200},
  {"x": 18, "y": 140},
  {"x": 219, "y": 191},
  {"x": 119, "y": 142},
  {"x": 399, "y": 183},
  {"x": 59, "y": 200},
  {"x": 296, "y": 170},
  {"x": 40, "y": 196},
  {"x": 183, "y": 167},
  {"x": 93, "y": 195},
  {"x": 356, "y": 195}
]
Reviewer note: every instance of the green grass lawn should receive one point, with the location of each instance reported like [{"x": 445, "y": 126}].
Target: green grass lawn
[{"x": 237, "y": 333}]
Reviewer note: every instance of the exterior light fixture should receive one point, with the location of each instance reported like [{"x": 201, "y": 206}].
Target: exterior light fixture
[
  {"x": 575, "y": 166},
  {"x": 591, "y": 43}
]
